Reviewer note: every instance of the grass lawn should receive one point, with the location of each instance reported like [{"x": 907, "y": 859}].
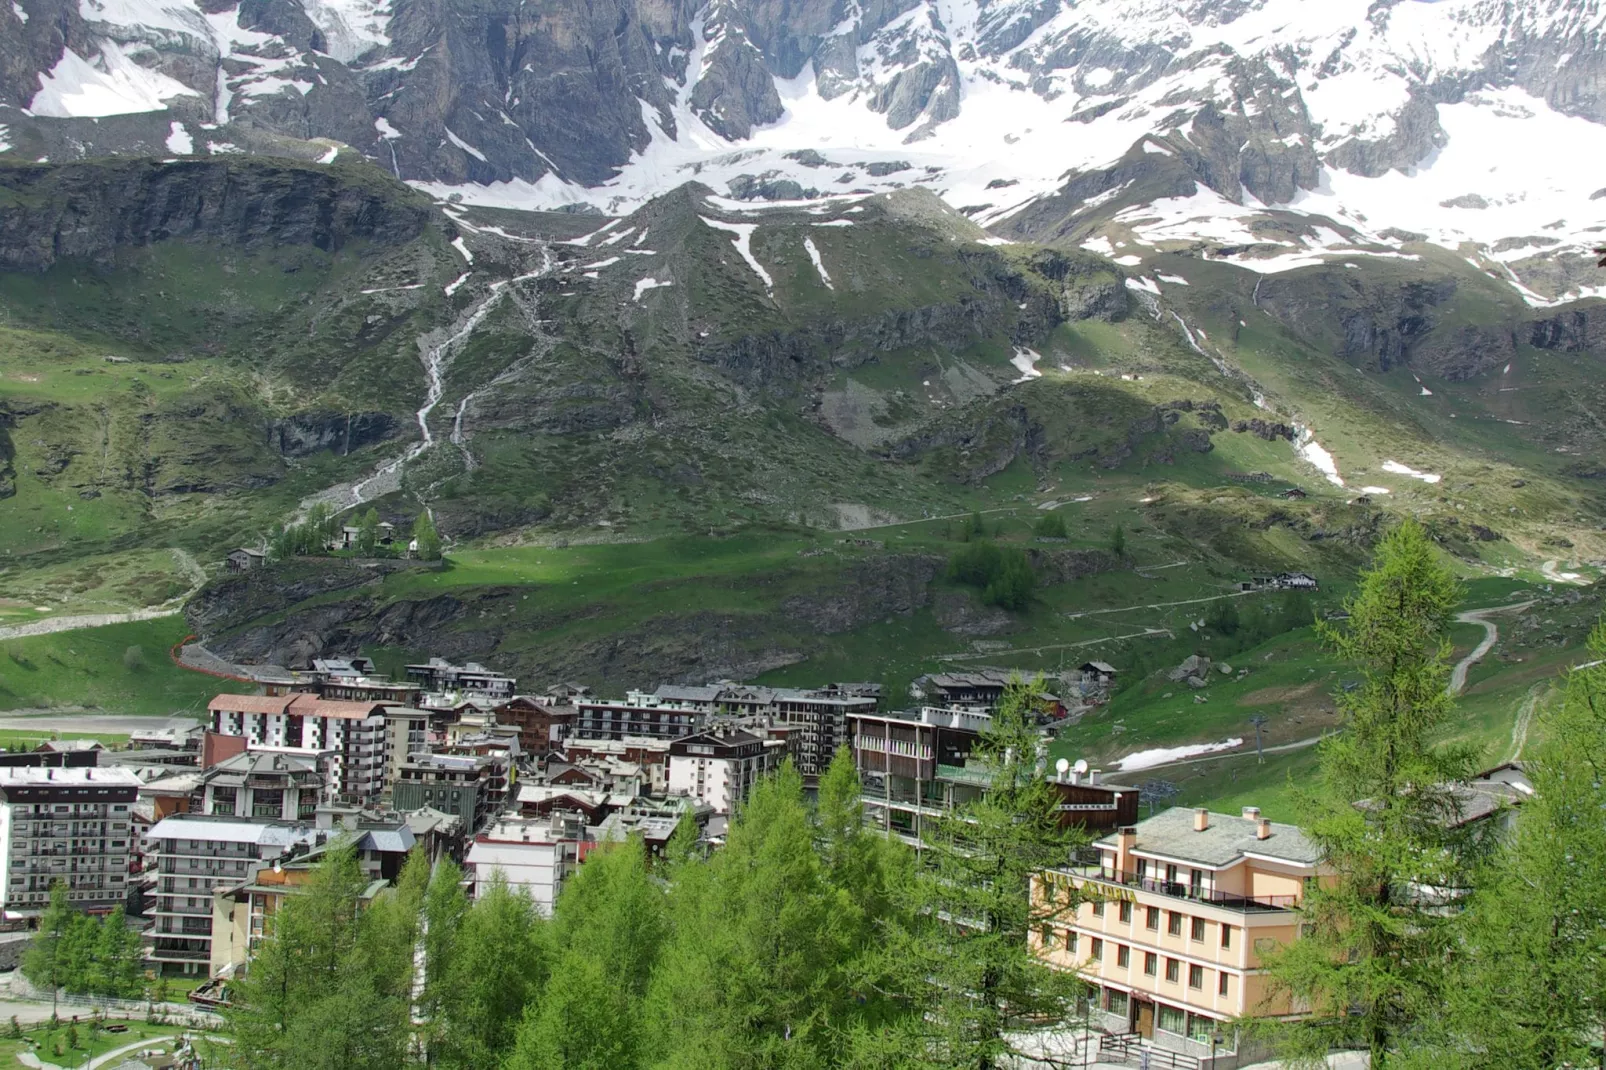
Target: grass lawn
[
  {"x": 51, "y": 1044},
  {"x": 91, "y": 667}
]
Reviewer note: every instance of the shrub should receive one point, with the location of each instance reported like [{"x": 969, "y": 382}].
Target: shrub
[
  {"x": 134, "y": 659},
  {"x": 1052, "y": 526}
]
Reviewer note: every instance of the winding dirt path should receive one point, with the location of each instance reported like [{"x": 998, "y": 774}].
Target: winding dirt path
[
  {"x": 51, "y": 625},
  {"x": 1491, "y": 635}
]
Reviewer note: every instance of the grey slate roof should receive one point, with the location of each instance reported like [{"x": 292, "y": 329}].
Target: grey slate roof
[{"x": 1228, "y": 839}]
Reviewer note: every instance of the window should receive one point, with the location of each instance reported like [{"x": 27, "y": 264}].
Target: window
[
  {"x": 1195, "y": 976},
  {"x": 1096, "y": 950},
  {"x": 1170, "y": 874},
  {"x": 1115, "y": 1002},
  {"x": 1196, "y": 882},
  {"x": 1171, "y": 1019},
  {"x": 1126, "y": 912},
  {"x": 1123, "y": 956},
  {"x": 1070, "y": 942},
  {"x": 1174, "y": 924},
  {"x": 1198, "y": 928},
  {"x": 1201, "y": 1028},
  {"x": 1173, "y": 970},
  {"x": 1048, "y": 938},
  {"x": 1151, "y": 962},
  {"x": 1221, "y": 983},
  {"x": 1098, "y": 908},
  {"x": 1226, "y": 937},
  {"x": 1151, "y": 918}
]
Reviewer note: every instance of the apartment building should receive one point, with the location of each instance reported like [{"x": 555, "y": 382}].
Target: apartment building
[
  {"x": 534, "y": 856},
  {"x": 192, "y": 856},
  {"x": 542, "y": 725},
  {"x": 69, "y": 825},
  {"x": 720, "y": 767},
  {"x": 1182, "y": 910},
  {"x": 267, "y": 785},
  {"x": 407, "y": 733},
  {"x": 641, "y": 713},
  {"x": 818, "y": 721},
  {"x": 352, "y": 735},
  {"x": 240, "y": 912},
  {"x": 472, "y": 680},
  {"x": 471, "y": 786}
]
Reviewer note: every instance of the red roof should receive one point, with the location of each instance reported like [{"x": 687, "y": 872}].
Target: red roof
[{"x": 300, "y": 703}]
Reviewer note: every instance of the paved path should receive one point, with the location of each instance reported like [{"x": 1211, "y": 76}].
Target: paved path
[
  {"x": 51, "y": 625},
  {"x": 1491, "y": 634}
]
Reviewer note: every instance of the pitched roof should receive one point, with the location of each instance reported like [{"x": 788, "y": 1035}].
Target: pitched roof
[{"x": 1227, "y": 839}]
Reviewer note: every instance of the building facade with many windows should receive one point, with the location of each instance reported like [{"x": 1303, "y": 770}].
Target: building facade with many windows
[
  {"x": 195, "y": 854},
  {"x": 353, "y": 736},
  {"x": 1180, "y": 912},
  {"x": 65, "y": 825}
]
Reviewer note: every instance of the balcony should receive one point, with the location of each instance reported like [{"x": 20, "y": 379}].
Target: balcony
[{"x": 1177, "y": 890}]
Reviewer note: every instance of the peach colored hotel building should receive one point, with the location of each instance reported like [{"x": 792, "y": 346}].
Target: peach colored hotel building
[{"x": 1182, "y": 907}]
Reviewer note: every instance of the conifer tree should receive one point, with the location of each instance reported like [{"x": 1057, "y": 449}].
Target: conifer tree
[
  {"x": 608, "y": 929},
  {"x": 751, "y": 975},
  {"x": 1529, "y": 987},
  {"x": 428, "y": 540},
  {"x": 497, "y": 963},
  {"x": 42, "y": 963},
  {"x": 964, "y": 966},
  {"x": 1371, "y": 960}
]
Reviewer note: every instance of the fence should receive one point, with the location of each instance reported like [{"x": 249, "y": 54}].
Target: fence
[{"x": 119, "y": 1008}]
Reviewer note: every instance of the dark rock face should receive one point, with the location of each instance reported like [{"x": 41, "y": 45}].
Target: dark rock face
[
  {"x": 1090, "y": 287},
  {"x": 88, "y": 210},
  {"x": 309, "y": 432},
  {"x": 736, "y": 92},
  {"x": 869, "y": 591}
]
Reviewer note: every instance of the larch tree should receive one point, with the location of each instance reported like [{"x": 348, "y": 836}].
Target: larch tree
[
  {"x": 1529, "y": 984},
  {"x": 969, "y": 978},
  {"x": 751, "y": 974},
  {"x": 607, "y": 932},
  {"x": 1370, "y": 965},
  {"x": 497, "y": 962}
]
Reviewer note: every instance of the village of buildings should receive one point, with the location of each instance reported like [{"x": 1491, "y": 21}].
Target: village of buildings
[{"x": 202, "y": 827}]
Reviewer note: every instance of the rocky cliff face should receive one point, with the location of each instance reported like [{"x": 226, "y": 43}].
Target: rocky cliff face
[{"x": 92, "y": 210}]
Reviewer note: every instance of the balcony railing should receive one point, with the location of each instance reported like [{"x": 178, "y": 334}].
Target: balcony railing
[{"x": 1179, "y": 890}]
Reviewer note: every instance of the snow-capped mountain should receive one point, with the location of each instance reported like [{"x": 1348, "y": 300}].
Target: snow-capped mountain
[{"x": 1274, "y": 132}]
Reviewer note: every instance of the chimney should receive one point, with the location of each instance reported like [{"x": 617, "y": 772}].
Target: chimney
[
  {"x": 1201, "y": 819},
  {"x": 1093, "y": 777},
  {"x": 1262, "y": 829},
  {"x": 1126, "y": 839}
]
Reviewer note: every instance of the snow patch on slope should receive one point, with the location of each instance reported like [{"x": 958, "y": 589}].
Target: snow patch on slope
[
  {"x": 110, "y": 84},
  {"x": 819, "y": 265},
  {"x": 744, "y": 246},
  {"x": 1148, "y": 759}
]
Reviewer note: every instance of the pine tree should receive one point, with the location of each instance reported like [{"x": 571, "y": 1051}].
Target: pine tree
[
  {"x": 497, "y": 963},
  {"x": 608, "y": 929},
  {"x": 42, "y": 962},
  {"x": 1529, "y": 988},
  {"x": 1118, "y": 541},
  {"x": 752, "y": 972},
  {"x": 1371, "y": 961},
  {"x": 299, "y": 968},
  {"x": 964, "y": 964},
  {"x": 424, "y": 534}
]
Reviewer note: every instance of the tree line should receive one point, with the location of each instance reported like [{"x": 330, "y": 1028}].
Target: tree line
[
  {"x": 85, "y": 955},
  {"x": 812, "y": 941},
  {"x": 808, "y": 940},
  {"x": 314, "y": 533}
]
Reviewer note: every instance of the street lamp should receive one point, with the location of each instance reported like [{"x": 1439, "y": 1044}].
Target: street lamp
[{"x": 1216, "y": 1039}]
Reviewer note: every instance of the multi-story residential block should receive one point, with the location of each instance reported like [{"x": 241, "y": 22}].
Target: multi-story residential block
[
  {"x": 240, "y": 912},
  {"x": 542, "y": 724},
  {"x": 916, "y": 767},
  {"x": 818, "y": 720},
  {"x": 472, "y": 786},
  {"x": 353, "y": 735},
  {"x": 472, "y": 680},
  {"x": 262, "y": 784},
  {"x": 1181, "y": 912},
  {"x": 192, "y": 855},
  {"x": 641, "y": 713},
  {"x": 407, "y": 734},
  {"x": 534, "y": 856},
  {"x": 650, "y": 756},
  {"x": 720, "y": 767},
  {"x": 65, "y": 825}
]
